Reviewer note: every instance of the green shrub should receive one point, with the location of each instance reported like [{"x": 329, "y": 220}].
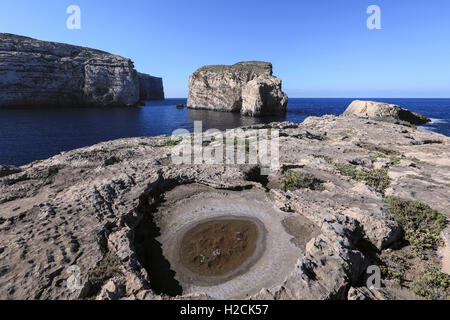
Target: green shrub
[
  {"x": 169, "y": 143},
  {"x": 393, "y": 267},
  {"x": 432, "y": 284},
  {"x": 422, "y": 225},
  {"x": 377, "y": 178},
  {"x": 300, "y": 180}
]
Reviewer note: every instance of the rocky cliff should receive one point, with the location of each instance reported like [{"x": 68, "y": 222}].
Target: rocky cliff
[
  {"x": 329, "y": 212},
  {"x": 39, "y": 73},
  {"x": 150, "y": 88},
  {"x": 246, "y": 87}
]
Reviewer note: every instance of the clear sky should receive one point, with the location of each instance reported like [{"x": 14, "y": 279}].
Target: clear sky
[{"x": 319, "y": 48}]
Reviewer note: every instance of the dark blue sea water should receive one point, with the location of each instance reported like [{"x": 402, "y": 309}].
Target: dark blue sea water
[{"x": 27, "y": 135}]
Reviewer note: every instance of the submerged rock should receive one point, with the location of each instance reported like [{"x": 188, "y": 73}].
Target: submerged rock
[
  {"x": 36, "y": 73},
  {"x": 386, "y": 111},
  {"x": 246, "y": 87}
]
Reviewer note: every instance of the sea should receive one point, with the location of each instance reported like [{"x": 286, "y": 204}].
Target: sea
[{"x": 27, "y": 135}]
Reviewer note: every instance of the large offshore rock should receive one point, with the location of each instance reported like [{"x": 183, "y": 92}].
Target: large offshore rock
[
  {"x": 246, "y": 87},
  {"x": 36, "y": 73},
  {"x": 150, "y": 88},
  {"x": 386, "y": 111},
  {"x": 263, "y": 96}
]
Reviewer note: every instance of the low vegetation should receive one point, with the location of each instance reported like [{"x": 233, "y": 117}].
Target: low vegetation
[
  {"x": 422, "y": 225},
  {"x": 106, "y": 269},
  {"x": 432, "y": 284},
  {"x": 379, "y": 149},
  {"x": 169, "y": 143},
  {"x": 300, "y": 180},
  {"x": 394, "y": 160},
  {"x": 376, "y": 178},
  {"x": 420, "y": 162},
  {"x": 346, "y": 133},
  {"x": 393, "y": 266}
]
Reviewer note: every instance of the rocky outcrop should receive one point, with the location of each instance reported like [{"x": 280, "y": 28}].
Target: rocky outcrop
[
  {"x": 263, "y": 96},
  {"x": 380, "y": 110},
  {"x": 150, "y": 88},
  {"x": 246, "y": 87},
  {"x": 8, "y": 170},
  {"x": 37, "y": 73},
  {"x": 81, "y": 209}
]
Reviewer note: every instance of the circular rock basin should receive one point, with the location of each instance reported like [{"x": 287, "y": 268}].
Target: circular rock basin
[
  {"x": 226, "y": 244},
  {"x": 221, "y": 246}
]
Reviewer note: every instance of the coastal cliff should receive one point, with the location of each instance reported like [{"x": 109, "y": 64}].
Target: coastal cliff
[
  {"x": 342, "y": 199},
  {"x": 36, "y": 73},
  {"x": 150, "y": 88},
  {"x": 245, "y": 87}
]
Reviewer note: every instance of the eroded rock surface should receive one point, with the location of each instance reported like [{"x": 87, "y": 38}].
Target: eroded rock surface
[
  {"x": 246, "y": 87},
  {"x": 385, "y": 111},
  {"x": 79, "y": 208}
]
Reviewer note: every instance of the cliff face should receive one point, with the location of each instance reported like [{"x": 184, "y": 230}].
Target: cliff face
[
  {"x": 39, "y": 73},
  {"x": 246, "y": 87},
  {"x": 150, "y": 88}
]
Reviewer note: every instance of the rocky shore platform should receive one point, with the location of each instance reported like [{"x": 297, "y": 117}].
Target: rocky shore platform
[{"x": 350, "y": 193}]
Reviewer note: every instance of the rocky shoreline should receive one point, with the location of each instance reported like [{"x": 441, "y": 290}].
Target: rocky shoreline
[{"x": 337, "y": 200}]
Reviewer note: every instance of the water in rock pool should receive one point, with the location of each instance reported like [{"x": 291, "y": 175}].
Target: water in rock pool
[
  {"x": 27, "y": 135},
  {"x": 217, "y": 247}
]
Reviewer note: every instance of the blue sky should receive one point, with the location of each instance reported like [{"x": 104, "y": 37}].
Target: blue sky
[{"x": 319, "y": 48}]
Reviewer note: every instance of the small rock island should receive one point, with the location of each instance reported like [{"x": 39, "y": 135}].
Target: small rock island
[
  {"x": 246, "y": 87},
  {"x": 36, "y": 73}
]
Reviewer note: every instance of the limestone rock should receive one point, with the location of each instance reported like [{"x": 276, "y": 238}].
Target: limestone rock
[
  {"x": 364, "y": 293},
  {"x": 386, "y": 111},
  {"x": 8, "y": 170},
  {"x": 79, "y": 209},
  {"x": 263, "y": 96},
  {"x": 150, "y": 88},
  {"x": 246, "y": 87},
  {"x": 112, "y": 290},
  {"x": 36, "y": 73}
]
